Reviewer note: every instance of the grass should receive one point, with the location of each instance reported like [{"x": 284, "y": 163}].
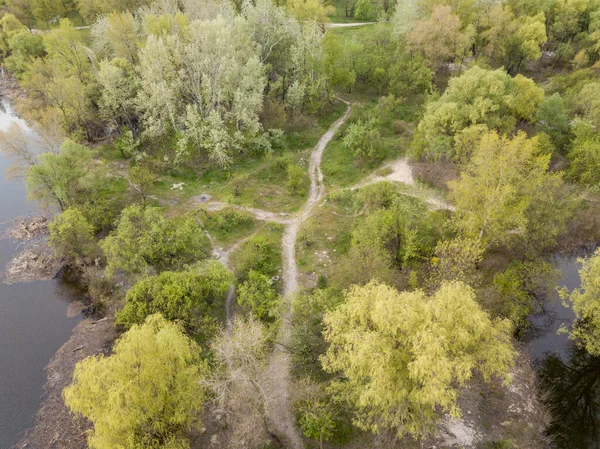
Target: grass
[
  {"x": 331, "y": 239},
  {"x": 254, "y": 181},
  {"x": 228, "y": 225},
  {"x": 270, "y": 259},
  {"x": 339, "y": 16}
]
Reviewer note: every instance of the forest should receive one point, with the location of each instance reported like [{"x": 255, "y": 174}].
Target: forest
[{"x": 316, "y": 223}]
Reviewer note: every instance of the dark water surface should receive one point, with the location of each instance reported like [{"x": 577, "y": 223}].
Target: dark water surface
[
  {"x": 569, "y": 377},
  {"x": 33, "y": 320}
]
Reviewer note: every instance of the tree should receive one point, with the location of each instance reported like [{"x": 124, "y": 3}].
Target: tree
[
  {"x": 65, "y": 46},
  {"x": 363, "y": 10},
  {"x": 505, "y": 181},
  {"x": 242, "y": 382},
  {"x": 584, "y": 155},
  {"x": 587, "y": 102},
  {"x": 361, "y": 265},
  {"x": 257, "y": 253},
  {"x": 296, "y": 178},
  {"x": 364, "y": 140},
  {"x": 456, "y": 260},
  {"x": 22, "y": 10},
  {"x": 439, "y": 37},
  {"x": 512, "y": 41},
  {"x": 142, "y": 180},
  {"x": 146, "y": 394},
  {"x": 585, "y": 302},
  {"x": 259, "y": 296},
  {"x": 118, "y": 83},
  {"x": 552, "y": 119},
  {"x": 72, "y": 236},
  {"x": 310, "y": 10},
  {"x": 403, "y": 231},
  {"x": 59, "y": 178},
  {"x": 23, "y": 46},
  {"x": 478, "y": 96},
  {"x": 48, "y": 10},
  {"x": 145, "y": 241},
  {"x": 405, "y": 15},
  {"x": 405, "y": 355},
  {"x": 190, "y": 297}
]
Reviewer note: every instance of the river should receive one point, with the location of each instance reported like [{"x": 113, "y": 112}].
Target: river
[
  {"x": 569, "y": 378},
  {"x": 33, "y": 319}
]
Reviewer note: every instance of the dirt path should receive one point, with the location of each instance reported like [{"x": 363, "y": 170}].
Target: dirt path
[
  {"x": 347, "y": 25},
  {"x": 402, "y": 172},
  {"x": 280, "y": 412}
]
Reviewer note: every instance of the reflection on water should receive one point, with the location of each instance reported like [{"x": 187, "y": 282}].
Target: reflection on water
[
  {"x": 572, "y": 395},
  {"x": 569, "y": 378},
  {"x": 33, "y": 320}
]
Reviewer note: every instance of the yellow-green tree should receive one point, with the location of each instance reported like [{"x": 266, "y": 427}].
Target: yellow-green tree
[
  {"x": 503, "y": 187},
  {"x": 310, "y": 10},
  {"x": 147, "y": 394},
  {"x": 586, "y": 305},
  {"x": 404, "y": 356}
]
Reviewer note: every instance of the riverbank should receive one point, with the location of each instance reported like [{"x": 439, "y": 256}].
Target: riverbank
[{"x": 56, "y": 427}]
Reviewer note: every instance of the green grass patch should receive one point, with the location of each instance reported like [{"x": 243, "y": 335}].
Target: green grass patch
[
  {"x": 228, "y": 225},
  {"x": 260, "y": 182},
  {"x": 261, "y": 252}
]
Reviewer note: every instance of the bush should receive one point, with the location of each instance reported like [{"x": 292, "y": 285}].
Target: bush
[
  {"x": 190, "y": 297},
  {"x": 145, "y": 242},
  {"x": 295, "y": 179},
  {"x": 72, "y": 237},
  {"x": 364, "y": 140},
  {"x": 228, "y": 220},
  {"x": 401, "y": 127},
  {"x": 258, "y": 295},
  {"x": 257, "y": 254}
]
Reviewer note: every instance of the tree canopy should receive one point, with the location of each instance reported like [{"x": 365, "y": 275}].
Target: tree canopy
[
  {"x": 191, "y": 297},
  {"x": 145, "y": 241},
  {"x": 404, "y": 355},
  {"x": 147, "y": 394}
]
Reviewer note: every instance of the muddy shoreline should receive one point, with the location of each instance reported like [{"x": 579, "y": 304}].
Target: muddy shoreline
[{"x": 56, "y": 427}]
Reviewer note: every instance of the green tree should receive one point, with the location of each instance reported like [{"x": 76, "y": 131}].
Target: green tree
[
  {"x": 310, "y": 10},
  {"x": 405, "y": 355},
  {"x": 147, "y": 394},
  {"x": 585, "y": 302},
  {"x": 258, "y": 254},
  {"x": 456, "y": 260},
  {"x": 145, "y": 241},
  {"x": 259, "y": 295},
  {"x": 72, "y": 236},
  {"x": 512, "y": 41},
  {"x": 143, "y": 180},
  {"x": 552, "y": 119},
  {"x": 477, "y": 97},
  {"x": 584, "y": 155},
  {"x": 59, "y": 178},
  {"x": 189, "y": 297},
  {"x": 296, "y": 178},
  {"x": 363, "y": 10},
  {"x": 505, "y": 183},
  {"x": 364, "y": 140},
  {"x": 23, "y": 46}
]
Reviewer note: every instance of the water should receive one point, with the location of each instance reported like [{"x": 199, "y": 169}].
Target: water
[
  {"x": 33, "y": 320},
  {"x": 569, "y": 377}
]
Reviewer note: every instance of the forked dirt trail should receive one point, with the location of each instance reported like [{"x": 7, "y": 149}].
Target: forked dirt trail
[{"x": 279, "y": 412}]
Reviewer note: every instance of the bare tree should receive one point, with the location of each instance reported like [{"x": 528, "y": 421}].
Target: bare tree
[{"x": 242, "y": 381}]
